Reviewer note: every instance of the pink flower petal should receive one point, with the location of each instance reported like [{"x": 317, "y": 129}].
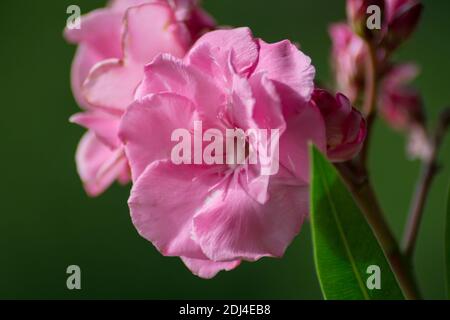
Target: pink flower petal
[
  {"x": 105, "y": 126},
  {"x": 99, "y": 39},
  {"x": 101, "y": 30},
  {"x": 157, "y": 21},
  {"x": 308, "y": 126},
  {"x": 169, "y": 74},
  {"x": 199, "y": 22},
  {"x": 242, "y": 103},
  {"x": 124, "y": 5},
  {"x": 163, "y": 202},
  {"x": 234, "y": 226},
  {"x": 268, "y": 111},
  {"x": 98, "y": 165},
  {"x": 348, "y": 57},
  {"x": 400, "y": 104},
  {"x": 149, "y": 31},
  {"x": 239, "y": 41},
  {"x": 85, "y": 58},
  {"x": 401, "y": 74},
  {"x": 111, "y": 85},
  {"x": 287, "y": 65},
  {"x": 208, "y": 269},
  {"x": 147, "y": 127}
]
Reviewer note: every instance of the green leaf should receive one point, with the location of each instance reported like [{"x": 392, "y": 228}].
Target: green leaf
[
  {"x": 345, "y": 247},
  {"x": 447, "y": 245}
]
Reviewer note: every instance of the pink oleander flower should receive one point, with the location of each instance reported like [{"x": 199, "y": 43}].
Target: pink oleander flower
[
  {"x": 214, "y": 216},
  {"x": 402, "y": 18},
  {"x": 348, "y": 58},
  {"x": 345, "y": 126},
  {"x": 114, "y": 44},
  {"x": 400, "y": 104}
]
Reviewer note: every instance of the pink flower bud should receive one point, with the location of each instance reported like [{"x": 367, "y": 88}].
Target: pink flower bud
[
  {"x": 419, "y": 144},
  {"x": 348, "y": 58},
  {"x": 402, "y": 18},
  {"x": 357, "y": 13},
  {"x": 345, "y": 126},
  {"x": 401, "y": 105}
]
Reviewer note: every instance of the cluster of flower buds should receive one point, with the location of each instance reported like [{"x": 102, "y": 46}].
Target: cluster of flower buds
[{"x": 399, "y": 104}]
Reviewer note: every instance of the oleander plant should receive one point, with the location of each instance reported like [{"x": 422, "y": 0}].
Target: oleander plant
[{"x": 230, "y": 143}]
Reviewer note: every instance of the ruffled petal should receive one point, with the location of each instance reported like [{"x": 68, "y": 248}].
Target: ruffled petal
[
  {"x": 150, "y": 30},
  {"x": 146, "y": 128},
  {"x": 98, "y": 39},
  {"x": 208, "y": 269},
  {"x": 268, "y": 111},
  {"x": 163, "y": 202},
  {"x": 104, "y": 125},
  {"x": 233, "y": 226},
  {"x": 111, "y": 85},
  {"x": 170, "y": 74},
  {"x": 98, "y": 165},
  {"x": 85, "y": 59},
  {"x": 101, "y": 31},
  {"x": 215, "y": 47},
  {"x": 307, "y": 126},
  {"x": 242, "y": 103},
  {"x": 285, "y": 64}
]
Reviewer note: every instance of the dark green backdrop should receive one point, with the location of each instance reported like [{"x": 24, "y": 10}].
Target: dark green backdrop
[{"x": 48, "y": 223}]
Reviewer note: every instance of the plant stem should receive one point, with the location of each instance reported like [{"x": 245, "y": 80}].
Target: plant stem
[
  {"x": 430, "y": 168},
  {"x": 371, "y": 81},
  {"x": 364, "y": 195},
  {"x": 356, "y": 176},
  {"x": 370, "y": 93},
  {"x": 364, "y": 154}
]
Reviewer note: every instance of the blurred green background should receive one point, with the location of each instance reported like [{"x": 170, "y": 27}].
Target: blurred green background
[{"x": 47, "y": 222}]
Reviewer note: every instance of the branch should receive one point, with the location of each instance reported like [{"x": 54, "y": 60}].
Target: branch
[{"x": 429, "y": 172}]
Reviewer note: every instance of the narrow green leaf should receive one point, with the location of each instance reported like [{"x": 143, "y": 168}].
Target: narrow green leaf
[
  {"x": 346, "y": 252},
  {"x": 447, "y": 245}
]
